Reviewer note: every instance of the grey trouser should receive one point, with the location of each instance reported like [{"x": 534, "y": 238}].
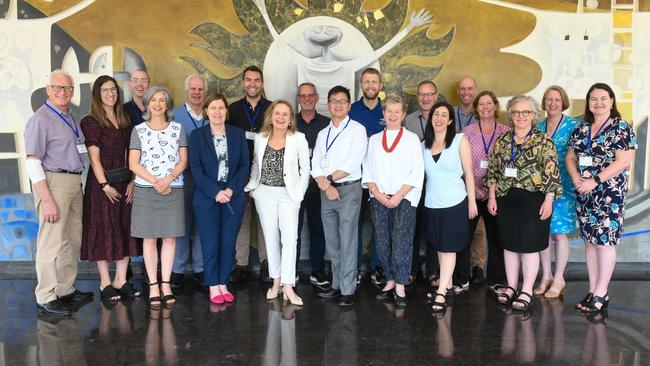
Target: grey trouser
[{"x": 340, "y": 224}]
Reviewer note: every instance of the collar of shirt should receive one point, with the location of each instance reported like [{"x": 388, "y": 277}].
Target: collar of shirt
[
  {"x": 363, "y": 105},
  {"x": 67, "y": 114},
  {"x": 259, "y": 104},
  {"x": 192, "y": 114}
]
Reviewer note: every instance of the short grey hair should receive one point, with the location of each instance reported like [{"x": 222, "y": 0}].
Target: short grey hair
[
  {"x": 148, "y": 95},
  {"x": 393, "y": 99},
  {"x": 60, "y": 72},
  {"x": 521, "y": 98},
  {"x": 198, "y": 76}
]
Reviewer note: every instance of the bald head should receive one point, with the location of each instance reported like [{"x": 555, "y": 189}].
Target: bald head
[{"x": 466, "y": 90}]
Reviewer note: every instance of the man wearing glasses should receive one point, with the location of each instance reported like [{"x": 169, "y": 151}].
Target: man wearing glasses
[
  {"x": 336, "y": 167},
  {"x": 310, "y": 122},
  {"x": 138, "y": 84},
  {"x": 416, "y": 122},
  {"x": 54, "y": 144}
]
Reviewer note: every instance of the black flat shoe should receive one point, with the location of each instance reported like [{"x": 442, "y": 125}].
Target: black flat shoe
[
  {"x": 54, "y": 307},
  {"x": 400, "y": 301},
  {"x": 507, "y": 298},
  {"x": 330, "y": 294},
  {"x": 383, "y": 295},
  {"x": 346, "y": 300},
  {"x": 76, "y": 296},
  {"x": 110, "y": 294},
  {"x": 439, "y": 307}
]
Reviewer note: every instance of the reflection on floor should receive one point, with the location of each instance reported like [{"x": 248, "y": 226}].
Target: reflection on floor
[{"x": 253, "y": 331}]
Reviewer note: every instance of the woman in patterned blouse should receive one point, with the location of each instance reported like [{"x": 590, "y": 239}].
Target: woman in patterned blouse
[
  {"x": 600, "y": 151},
  {"x": 523, "y": 179}
]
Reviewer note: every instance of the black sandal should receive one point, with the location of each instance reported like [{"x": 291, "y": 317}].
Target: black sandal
[
  {"x": 583, "y": 303},
  {"x": 168, "y": 299},
  {"x": 508, "y": 298},
  {"x": 526, "y": 304},
  {"x": 591, "y": 308},
  {"x": 156, "y": 301},
  {"x": 442, "y": 306},
  {"x": 110, "y": 294},
  {"x": 129, "y": 291}
]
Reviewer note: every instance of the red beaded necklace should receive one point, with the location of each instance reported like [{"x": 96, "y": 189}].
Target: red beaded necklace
[{"x": 384, "y": 141}]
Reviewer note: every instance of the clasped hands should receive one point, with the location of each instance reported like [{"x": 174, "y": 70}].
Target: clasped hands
[{"x": 162, "y": 185}]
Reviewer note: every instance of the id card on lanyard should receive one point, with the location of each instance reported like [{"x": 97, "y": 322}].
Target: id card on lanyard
[
  {"x": 250, "y": 134},
  {"x": 587, "y": 160},
  {"x": 486, "y": 147},
  {"x": 510, "y": 170},
  {"x": 328, "y": 145},
  {"x": 81, "y": 147}
]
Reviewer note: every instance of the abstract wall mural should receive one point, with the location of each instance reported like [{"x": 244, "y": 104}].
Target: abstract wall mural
[{"x": 510, "y": 47}]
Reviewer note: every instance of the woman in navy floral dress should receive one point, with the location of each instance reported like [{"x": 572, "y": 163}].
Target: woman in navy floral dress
[{"x": 600, "y": 150}]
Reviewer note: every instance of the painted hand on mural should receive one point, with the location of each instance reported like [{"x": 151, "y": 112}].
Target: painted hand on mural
[{"x": 419, "y": 18}]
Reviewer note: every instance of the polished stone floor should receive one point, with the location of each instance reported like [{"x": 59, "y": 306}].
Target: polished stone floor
[{"x": 474, "y": 331}]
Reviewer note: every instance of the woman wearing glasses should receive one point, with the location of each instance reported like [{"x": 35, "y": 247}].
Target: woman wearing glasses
[
  {"x": 106, "y": 234},
  {"x": 219, "y": 163},
  {"x": 600, "y": 151},
  {"x": 523, "y": 180}
]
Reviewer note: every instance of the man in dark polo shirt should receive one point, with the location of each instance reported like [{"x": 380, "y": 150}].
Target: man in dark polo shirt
[
  {"x": 367, "y": 111},
  {"x": 248, "y": 114},
  {"x": 310, "y": 122},
  {"x": 54, "y": 144},
  {"x": 138, "y": 84}
]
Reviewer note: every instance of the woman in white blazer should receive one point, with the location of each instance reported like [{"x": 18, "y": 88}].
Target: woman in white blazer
[{"x": 279, "y": 179}]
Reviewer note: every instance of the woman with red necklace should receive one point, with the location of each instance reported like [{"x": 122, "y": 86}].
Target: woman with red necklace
[
  {"x": 450, "y": 202},
  {"x": 393, "y": 172}
]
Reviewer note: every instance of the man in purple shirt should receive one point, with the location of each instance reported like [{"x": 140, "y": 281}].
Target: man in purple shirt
[{"x": 54, "y": 144}]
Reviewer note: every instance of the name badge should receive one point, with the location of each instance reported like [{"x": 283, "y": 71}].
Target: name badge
[
  {"x": 585, "y": 161},
  {"x": 511, "y": 172},
  {"x": 81, "y": 148},
  {"x": 311, "y": 153},
  {"x": 250, "y": 135},
  {"x": 484, "y": 164},
  {"x": 324, "y": 163}
]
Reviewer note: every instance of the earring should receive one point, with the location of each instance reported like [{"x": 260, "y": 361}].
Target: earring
[{"x": 289, "y": 124}]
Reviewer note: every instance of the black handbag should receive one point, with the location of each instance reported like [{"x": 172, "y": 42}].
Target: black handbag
[{"x": 119, "y": 175}]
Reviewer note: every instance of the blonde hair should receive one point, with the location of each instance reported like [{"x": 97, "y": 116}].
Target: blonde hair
[{"x": 267, "y": 127}]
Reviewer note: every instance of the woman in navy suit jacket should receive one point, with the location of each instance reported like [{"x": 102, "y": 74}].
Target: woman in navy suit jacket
[
  {"x": 219, "y": 161},
  {"x": 279, "y": 179}
]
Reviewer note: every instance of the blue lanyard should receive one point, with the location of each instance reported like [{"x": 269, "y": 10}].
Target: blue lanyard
[
  {"x": 251, "y": 121},
  {"x": 460, "y": 125},
  {"x": 421, "y": 125},
  {"x": 515, "y": 152},
  {"x": 486, "y": 148},
  {"x": 137, "y": 112},
  {"x": 597, "y": 132},
  {"x": 556, "y": 127},
  {"x": 72, "y": 126},
  {"x": 327, "y": 144},
  {"x": 195, "y": 120}
]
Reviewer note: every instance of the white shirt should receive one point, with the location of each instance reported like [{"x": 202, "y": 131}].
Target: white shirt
[
  {"x": 347, "y": 148},
  {"x": 390, "y": 171}
]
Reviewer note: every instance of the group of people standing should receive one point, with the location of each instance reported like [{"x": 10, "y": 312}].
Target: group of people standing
[{"x": 207, "y": 177}]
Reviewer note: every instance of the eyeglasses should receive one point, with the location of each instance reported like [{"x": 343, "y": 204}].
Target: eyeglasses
[
  {"x": 428, "y": 95},
  {"x": 141, "y": 81},
  {"x": 305, "y": 96},
  {"x": 58, "y": 88},
  {"x": 338, "y": 101},
  {"x": 521, "y": 113},
  {"x": 108, "y": 90}
]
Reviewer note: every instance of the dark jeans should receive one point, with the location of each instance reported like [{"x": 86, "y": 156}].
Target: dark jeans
[
  {"x": 496, "y": 272},
  {"x": 374, "y": 258},
  {"x": 311, "y": 204},
  {"x": 430, "y": 257}
]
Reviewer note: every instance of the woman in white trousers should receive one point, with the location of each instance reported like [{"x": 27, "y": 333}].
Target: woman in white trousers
[{"x": 279, "y": 179}]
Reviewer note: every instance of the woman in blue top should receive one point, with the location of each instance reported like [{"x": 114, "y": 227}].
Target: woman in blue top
[
  {"x": 449, "y": 201},
  {"x": 558, "y": 127}
]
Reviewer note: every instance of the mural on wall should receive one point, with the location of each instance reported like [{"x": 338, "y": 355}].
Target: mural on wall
[{"x": 510, "y": 47}]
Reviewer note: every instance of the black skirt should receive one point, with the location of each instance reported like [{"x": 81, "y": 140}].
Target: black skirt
[
  {"x": 448, "y": 229},
  {"x": 520, "y": 229}
]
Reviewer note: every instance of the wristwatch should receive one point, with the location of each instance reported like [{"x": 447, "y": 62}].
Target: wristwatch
[
  {"x": 102, "y": 185},
  {"x": 597, "y": 179},
  {"x": 330, "y": 178}
]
